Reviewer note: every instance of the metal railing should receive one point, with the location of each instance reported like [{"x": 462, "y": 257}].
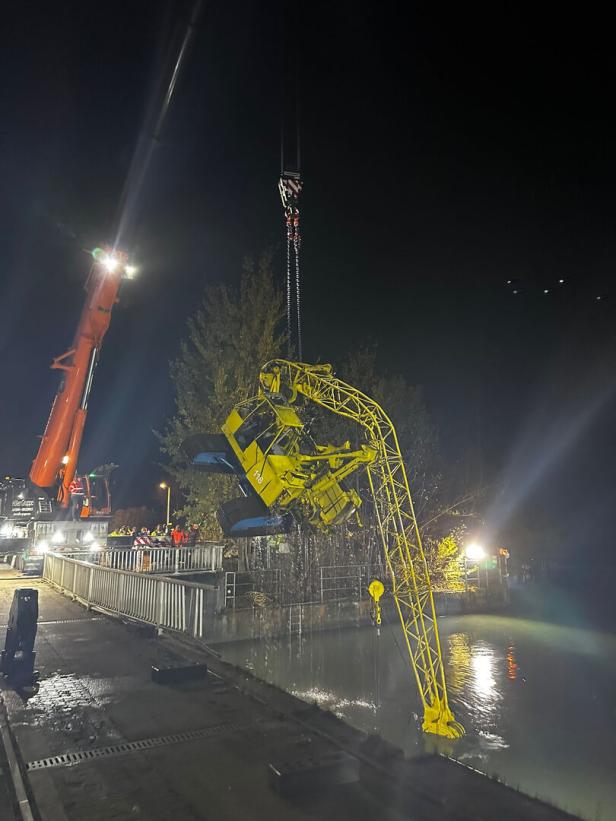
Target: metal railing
[
  {"x": 155, "y": 559},
  {"x": 338, "y": 582},
  {"x": 325, "y": 583},
  {"x": 167, "y": 603},
  {"x": 257, "y": 588}
]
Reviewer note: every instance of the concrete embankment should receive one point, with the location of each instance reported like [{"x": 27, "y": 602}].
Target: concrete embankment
[{"x": 255, "y": 623}]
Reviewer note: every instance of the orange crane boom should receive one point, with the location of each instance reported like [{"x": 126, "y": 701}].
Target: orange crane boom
[{"x": 55, "y": 463}]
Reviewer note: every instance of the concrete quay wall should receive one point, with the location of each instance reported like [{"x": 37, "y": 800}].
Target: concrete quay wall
[{"x": 225, "y": 625}]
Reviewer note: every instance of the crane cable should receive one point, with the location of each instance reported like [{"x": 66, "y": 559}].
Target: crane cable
[
  {"x": 296, "y": 244},
  {"x": 290, "y": 186},
  {"x": 289, "y": 239}
]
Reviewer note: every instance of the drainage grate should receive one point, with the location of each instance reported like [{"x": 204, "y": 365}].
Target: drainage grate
[
  {"x": 64, "y": 621},
  {"x": 72, "y": 621},
  {"x": 82, "y": 756}
]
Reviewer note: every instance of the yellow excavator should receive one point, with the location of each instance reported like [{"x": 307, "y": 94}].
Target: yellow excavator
[{"x": 285, "y": 475}]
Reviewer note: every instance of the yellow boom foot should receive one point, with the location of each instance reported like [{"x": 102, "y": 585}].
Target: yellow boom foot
[{"x": 441, "y": 722}]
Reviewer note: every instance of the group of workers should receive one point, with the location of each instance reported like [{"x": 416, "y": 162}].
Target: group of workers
[{"x": 161, "y": 536}]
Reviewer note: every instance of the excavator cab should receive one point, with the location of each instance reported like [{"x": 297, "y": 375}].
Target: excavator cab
[
  {"x": 96, "y": 496},
  {"x": 90, "y": 494},
  {"x": 283, "y": 474}
]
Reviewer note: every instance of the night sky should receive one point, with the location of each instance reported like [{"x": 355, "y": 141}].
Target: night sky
[{"x": 445, "y": 151}]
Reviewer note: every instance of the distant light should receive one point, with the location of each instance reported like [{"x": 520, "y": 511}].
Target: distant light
[
  {"x": 515, "y": 292},
  {"x": 163, "y": 485},
  {"x": 88, "y": 537},
  {"x": 65, "y": 459},
  {"x": 509, "y": 281},
  {"x": 475, "y": 552},
  {"x": 20, "y": 496},
  {"x": 546, "y": 291},
  {"x": 58, "y": 537},
  {"x": 130, "y": 271},
  {"x": 598, "y": 298},
  {"x": 561, "y": 281}
]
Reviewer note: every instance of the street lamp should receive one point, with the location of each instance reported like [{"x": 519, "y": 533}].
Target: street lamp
[{"x": 165, "y": 486}]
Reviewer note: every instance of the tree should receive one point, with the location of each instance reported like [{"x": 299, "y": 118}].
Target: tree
[
  {"x": 134, "y": 517},
  {"x": 234, "y": 332},
  {"x": 436, "y": 510},
  {"x": 405, "y": 406},
  {"x": 444, "y": 563}
]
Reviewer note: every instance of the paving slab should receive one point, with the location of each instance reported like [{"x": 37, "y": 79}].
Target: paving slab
[{"x": 96, "y": 699}]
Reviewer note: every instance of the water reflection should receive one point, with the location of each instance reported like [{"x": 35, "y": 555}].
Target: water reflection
[
  {"x": 473, "y": 682},
  {"x": 512, "y": 667},
  {"x": 331, "y": 701}
]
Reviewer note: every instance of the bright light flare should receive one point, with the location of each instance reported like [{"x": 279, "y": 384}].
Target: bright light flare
[
  {"x": 88, "y": 537},
  {"x": 58, "y": 537},
  {"x": 163, "y": 486},
  {"x": 95, "y": 546},
  {"x": 475, "y": 552},
  {"x": 130, "y": 271},
  {"x": 110, "y": 263},
  {"x": 42, "y": 547}
]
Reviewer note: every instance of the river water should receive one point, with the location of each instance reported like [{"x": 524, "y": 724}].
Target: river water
[{"x": 538, "y": 700}]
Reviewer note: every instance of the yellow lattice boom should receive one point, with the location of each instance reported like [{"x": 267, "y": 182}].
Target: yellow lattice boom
[{"x": 396, "y": 520}]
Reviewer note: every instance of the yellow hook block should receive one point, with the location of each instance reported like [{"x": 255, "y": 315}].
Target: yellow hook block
[{"x": 376, "y": 590}]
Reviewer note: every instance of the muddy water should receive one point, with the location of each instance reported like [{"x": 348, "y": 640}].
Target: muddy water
[{"x": 538, "y": 700}]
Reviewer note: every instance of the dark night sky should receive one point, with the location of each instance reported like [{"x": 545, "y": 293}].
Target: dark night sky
[{"x": 445, "y": 151}]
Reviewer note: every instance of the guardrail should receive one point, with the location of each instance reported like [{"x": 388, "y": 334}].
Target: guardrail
[
  {"x": 167, "y": 603},
  {"x": 155, "y": 559}
]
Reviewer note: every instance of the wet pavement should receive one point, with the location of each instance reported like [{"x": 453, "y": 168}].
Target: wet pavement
[{"x": 98, "y": 710}]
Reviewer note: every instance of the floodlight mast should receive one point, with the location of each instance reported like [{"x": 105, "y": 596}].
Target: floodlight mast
[{"x": 55, "y": 463}]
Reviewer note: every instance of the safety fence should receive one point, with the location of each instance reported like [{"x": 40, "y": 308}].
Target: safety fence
[
  {"x": 205, "y": 557},
  {"x": 257, "y": 588},
  {"x": 167, "y": 603},
  {"x": 349, "y": 581},
  {"x": 323, "y": 584}
]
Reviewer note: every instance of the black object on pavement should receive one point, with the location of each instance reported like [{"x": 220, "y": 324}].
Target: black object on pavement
[{"x": 17, "y": 658}]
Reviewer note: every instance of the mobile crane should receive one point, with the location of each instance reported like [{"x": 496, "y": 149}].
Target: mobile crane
[
  {"x": 56, "y": 490},
  {"x": 285, "y": 474}
]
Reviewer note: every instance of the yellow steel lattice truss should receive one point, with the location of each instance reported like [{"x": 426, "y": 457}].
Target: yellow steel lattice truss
[{"x": 397, "y": 524}]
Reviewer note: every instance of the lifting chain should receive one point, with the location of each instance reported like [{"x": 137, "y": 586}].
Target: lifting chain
[
  {"x": 290, "y": 187},
  {"x": 289, "y": 240},
  {"x": 296, "y": 245}
]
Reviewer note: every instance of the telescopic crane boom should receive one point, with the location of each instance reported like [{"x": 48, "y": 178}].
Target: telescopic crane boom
[{"x": 55, "y": 463}]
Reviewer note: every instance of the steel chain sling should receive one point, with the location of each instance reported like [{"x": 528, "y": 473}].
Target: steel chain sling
[{"x": 296, "y": 246}]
